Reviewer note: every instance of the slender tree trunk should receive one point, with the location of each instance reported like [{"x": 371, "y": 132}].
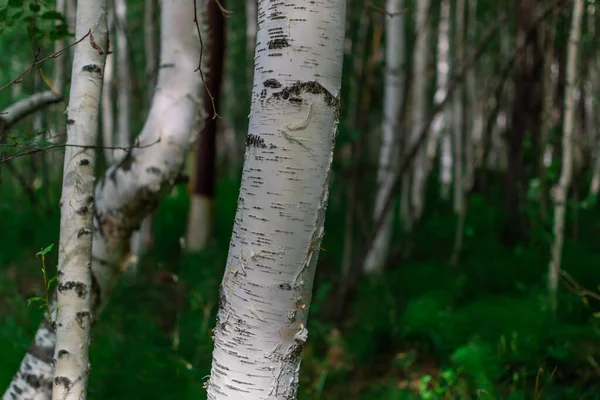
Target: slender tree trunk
[
  {"x": 251, "y": 21},
  {"x": 420, "y": 101},
  {"x": 132, "y": 189},
  {"x": 108, "y": 115},
  {"x": 458, "y": 113},
  {"x": 124, "y": 78},
  {"x": 74, "y": 294},
  {"x": 439, "y": 128},
  {"x": 566, "y": 173},
  {"x": 525, "y": 115},
  {"x": 265, "y": 293},
  {"x": 200, "y": 219},
  {"x": 150, "y": 46},
  {"x": 546, "y": 116},
  {"x": 390, "y": 140}
]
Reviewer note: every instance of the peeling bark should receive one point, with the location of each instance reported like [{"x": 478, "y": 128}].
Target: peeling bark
[{"x": 265, "y": 294}]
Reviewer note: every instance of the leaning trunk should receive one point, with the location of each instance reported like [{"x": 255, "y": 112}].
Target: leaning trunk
[
  {"x": 266, "y": 290},
  {"x": 132, "y": 189}
]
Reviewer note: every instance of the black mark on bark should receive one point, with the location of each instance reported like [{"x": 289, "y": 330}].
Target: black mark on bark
[
  {"x": 92, "y": 68},
  {"x": 272, "y": 83},
  {"x": 278, "y": 43},
  {"x": 80, "y": 289},
  {"x": 255, "y": 141}
]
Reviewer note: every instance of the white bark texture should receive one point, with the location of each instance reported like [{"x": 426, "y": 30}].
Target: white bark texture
[
  {"x": 27, "y": 106},
  {"x": 566, "y": 173},
  {"x": 389, "y": 153},
  {"x": 132, "y": 189},
  {"x": 266, "y": 290},
  {"x": 108, "y": 115},
  {"x": 124, "y": 79},
  {"x": 419, "y": 102},
  {"x": 74, "y": 285},
  {"x": 442, "y": 121},
  {"x": 442, "y": 72}
]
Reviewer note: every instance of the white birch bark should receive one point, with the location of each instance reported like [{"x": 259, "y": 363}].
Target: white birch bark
[
  {"x": 132, "y": 189},
  {"x": 439, "y": 129},
  {"x": 419, "y": 106},
  {"x": 108, "y": 116},
  {"x": 442, "y": 73},
  {"x": 74, "y": 285},
  {"x": 266, "y": 289},
  {"x": 566, "y": 173},
  {"x": 389, "y": 152},
  {"x": 124, "y": 79}
]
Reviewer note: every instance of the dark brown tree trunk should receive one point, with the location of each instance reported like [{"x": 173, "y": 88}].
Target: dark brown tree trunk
[
  {"x": 203, "y": 183},
  {"x": 526, "y": 113}
]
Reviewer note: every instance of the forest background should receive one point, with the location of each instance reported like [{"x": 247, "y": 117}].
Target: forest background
[{"x": 468, "y": 300}]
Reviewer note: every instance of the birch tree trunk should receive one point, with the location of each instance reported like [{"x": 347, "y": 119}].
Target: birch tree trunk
[
  {"x": 108, "y": 116},
  {"x": 419, "y": 106},
  {"x": 389, "y": 152},
  {"x": 124, "y": 79},
  {"x": 566, "y": 173},
  {"x": 74, "y": 294},
  {"x": 265, "y": 294},
  {"x": 132, "y": 189}
]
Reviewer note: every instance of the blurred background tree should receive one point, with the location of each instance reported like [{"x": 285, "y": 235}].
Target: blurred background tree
[{"x": 460, "y": 303}]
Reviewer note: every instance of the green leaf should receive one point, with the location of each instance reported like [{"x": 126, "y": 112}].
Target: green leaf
[
  {"x": 45, "y": 251},
  {"x": 52, "y": 15},
  {"x": 15, "y": 3},
  {"x": 34, "y": 7},
  {"x": 32, "y": 300},
  {"x": 51, "y": 281}
]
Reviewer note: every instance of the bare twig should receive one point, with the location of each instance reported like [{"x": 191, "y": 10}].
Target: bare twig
[
  {"x": 226, "y": 13},
  {"x": 574, "y": 286},
  {"x": 386, "y": 13},
  {"x": 212, "y": 99},
  {"x": 36, "y": 149},
  {"x": 37, "y": 62}
]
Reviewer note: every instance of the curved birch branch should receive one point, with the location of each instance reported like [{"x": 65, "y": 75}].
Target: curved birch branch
[{"x": 133, "y": 188}]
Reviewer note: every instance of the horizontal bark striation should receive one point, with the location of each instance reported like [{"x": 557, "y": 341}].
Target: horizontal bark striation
[{"x": 266, "y": 289}]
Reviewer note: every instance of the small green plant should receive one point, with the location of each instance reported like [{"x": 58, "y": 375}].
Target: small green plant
[{"x": 45, "y": 301}]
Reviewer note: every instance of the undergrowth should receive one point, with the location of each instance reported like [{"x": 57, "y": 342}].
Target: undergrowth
[{"x": 423, "y": 330}]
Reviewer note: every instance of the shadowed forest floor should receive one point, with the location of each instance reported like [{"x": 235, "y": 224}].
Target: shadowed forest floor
[{"x": 422, "y": 330}]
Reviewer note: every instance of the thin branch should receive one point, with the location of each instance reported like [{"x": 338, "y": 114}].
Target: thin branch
[
  {"x": 35, "y": 149},
  {"x": 226, "y": 13},
  {"x": 382, "y": 11},
  {"x": 37, "y": 62},
  {"x": 212, "y": 99}
]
